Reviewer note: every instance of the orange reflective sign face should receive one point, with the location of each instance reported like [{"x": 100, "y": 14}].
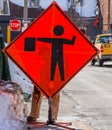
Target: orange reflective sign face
[{"x": 51, "y": 50}]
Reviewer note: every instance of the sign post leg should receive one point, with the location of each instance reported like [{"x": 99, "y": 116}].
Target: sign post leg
[{"x": 50, "y": 119}]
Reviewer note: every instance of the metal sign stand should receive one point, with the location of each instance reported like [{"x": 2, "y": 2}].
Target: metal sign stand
[{"x": 50, "y": 120}]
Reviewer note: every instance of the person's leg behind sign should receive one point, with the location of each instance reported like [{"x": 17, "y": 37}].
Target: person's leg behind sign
[
  {"x": 55, "y": 106},
  {"x": 35, "y": 105}
]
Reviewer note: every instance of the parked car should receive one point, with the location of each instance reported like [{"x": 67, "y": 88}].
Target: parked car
[{"x": 104, "y": 44}]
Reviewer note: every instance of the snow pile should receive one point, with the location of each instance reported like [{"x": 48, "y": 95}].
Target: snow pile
[
  {"x": 12, "y": 106},
  {"x": 8, "y": 119},
  {"x": 20, "y": 78}
]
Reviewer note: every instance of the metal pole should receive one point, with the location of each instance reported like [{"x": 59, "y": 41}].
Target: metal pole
[
  {"x": 4, "y": 6},
  {"x": 102, "y": 7},
  {"x": 25, "y": 13},
  {"x": 108, "y": 14},
  {"x": 50, "y": 120}
]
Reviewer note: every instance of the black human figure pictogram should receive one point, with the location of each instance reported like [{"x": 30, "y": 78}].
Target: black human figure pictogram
[{"x": 57, "y": 50}]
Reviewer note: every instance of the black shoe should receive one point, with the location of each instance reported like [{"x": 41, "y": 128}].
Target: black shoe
[{"x": 31, "y": 119}]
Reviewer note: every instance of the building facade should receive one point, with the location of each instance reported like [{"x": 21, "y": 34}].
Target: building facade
[
  {"x": 82, "y": 12},
  {"x": 106, "y": 11},
  {"x": 4, "y": 17}
]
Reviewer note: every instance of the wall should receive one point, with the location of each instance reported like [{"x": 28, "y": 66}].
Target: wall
[{"x": 105, "y": 13}]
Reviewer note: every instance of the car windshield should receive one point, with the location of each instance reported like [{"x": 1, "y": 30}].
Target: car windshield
[{"x": 106, "y": 39}]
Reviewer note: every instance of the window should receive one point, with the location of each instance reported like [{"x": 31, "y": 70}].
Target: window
[
  {"x": 34, "y": 3},
  {"x": 74, "y": 2},
  {"x": 1, "y": 7},
  {"x": 106, "y": 39},
  {"x": 4, "y": 7}
]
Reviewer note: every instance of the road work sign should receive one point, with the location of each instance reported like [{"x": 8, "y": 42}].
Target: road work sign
[{"x": 51, "y": 51}]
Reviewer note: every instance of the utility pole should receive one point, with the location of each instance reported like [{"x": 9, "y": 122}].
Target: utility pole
[
  {"x": 102, "y": 7},
  {"x": 108, "y": 14},
  {"x": 25, "y": 13},
  {"x": 4, "y": 6}
]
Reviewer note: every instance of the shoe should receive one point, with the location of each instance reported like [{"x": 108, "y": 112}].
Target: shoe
[{"x": 31, "y": 119}]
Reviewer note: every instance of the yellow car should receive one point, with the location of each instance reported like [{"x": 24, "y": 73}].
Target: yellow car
[{"x": 104, "y": 44}]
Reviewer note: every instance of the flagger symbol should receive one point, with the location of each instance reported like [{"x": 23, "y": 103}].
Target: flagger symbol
[{"x": 57, "y": 49}]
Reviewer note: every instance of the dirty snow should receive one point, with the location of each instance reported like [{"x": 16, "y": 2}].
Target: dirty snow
[
  {"x": 20, "y": 78},
  {"x": 12, "y": 105}
]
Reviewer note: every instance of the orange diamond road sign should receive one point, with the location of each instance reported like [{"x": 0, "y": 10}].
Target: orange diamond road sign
[{"x": 51, "y": 51}]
